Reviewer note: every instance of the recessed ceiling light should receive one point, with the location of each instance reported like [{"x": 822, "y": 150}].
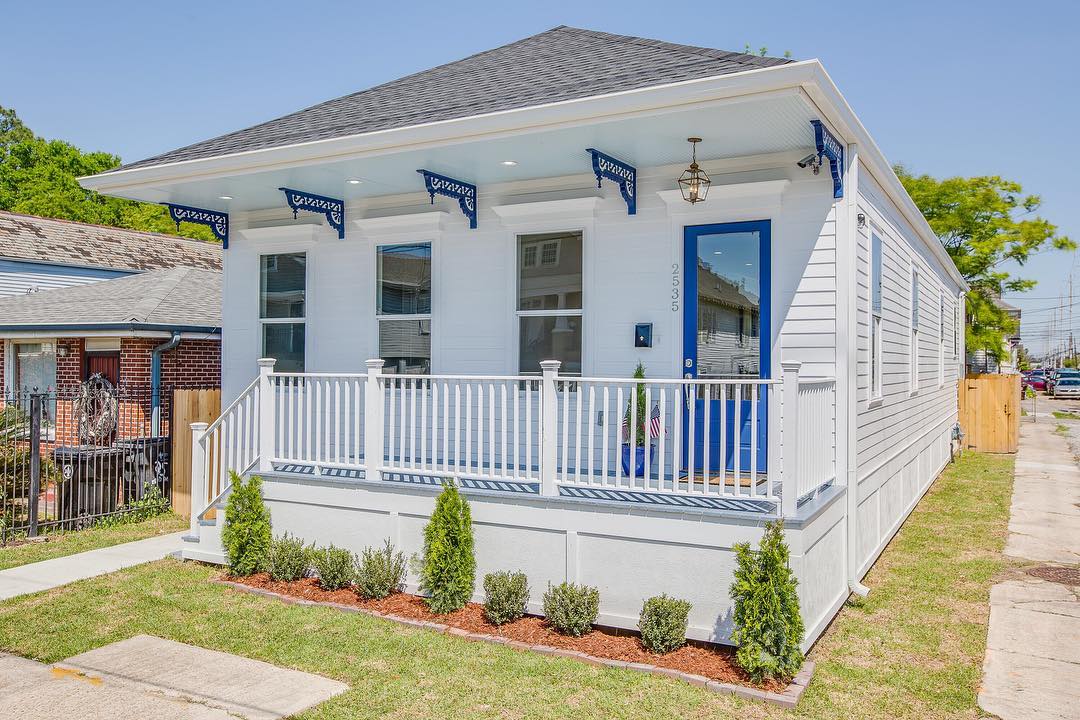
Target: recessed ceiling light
[
  {"x": 354, "y": 181},
  {"x": 509, "y": 163},
  {"x": 224, "y": 197},
  {"x": 749, "y": 264}
]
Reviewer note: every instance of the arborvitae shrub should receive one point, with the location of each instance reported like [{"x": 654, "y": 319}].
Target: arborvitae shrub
[
  {"x": 246, "y": 533},
  {"x": 768, "y": 625},
  {"x": 448, "y": 573},
  {"x": 380, "y": 572},
  {"x": 289, "y": 558},
  {"x": 506, "y": 595},
  {"x": 663, "y": 623},
  {"x": 571, "y": 609},
  {"x": 334, "y": 566}
]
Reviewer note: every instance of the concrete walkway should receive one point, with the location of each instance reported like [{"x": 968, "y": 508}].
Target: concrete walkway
[
  {"x": 48, "y": 574},
  {"x": 148, "y": 677},
  {"x": 1032, "y": 666}
]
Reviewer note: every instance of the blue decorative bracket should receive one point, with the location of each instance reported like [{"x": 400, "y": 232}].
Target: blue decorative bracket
[
  {"x": 828, "y": 146},
  {"x": 218, "y": 222},
  {"x": 333, "y": 209},
  {"x": 608, "y": 167},
  {"x": 463, "y": 192}
]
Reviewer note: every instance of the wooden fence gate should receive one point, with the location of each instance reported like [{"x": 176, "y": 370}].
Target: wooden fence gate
[
  {"x": 990, "y": 412},
  {"x": 188, "y": 406}
]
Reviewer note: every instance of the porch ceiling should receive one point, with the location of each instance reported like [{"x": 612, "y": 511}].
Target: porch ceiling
[{"x": 749, "y": 125}]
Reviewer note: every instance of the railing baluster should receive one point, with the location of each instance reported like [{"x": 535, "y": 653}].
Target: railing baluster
[{"x": 753, "y": 439}]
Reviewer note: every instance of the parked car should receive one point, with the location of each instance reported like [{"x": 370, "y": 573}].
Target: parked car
[
  {"x": 1067, "y": 386},
  {"x": 1059, "y": 375},
  {"x": 1035, "y": 379}
]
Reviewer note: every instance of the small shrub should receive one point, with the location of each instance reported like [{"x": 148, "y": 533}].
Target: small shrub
[
  {"x": 663, "y": 623},
  {"x": 768, "y": 625},
  {"x": 289, "y": 558},
  {"x": 380, "y": 572},
  {"x": 334, "y": 566},
  {"x": 571, "y": 609},
  {"x": 506, "y": 595},
  {"x": 448, "y": 573},
  {"x": 246, "y": 533}
]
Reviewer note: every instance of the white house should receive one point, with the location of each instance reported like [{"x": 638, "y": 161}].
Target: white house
[{"x": 479, "y": 319}]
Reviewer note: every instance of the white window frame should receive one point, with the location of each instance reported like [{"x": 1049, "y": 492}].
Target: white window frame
[
  {"x": 913, "y": 349},
  {"x": 379, "y": 317},
  {"x": 263, "y": 322},
  {"x": 941, "y": 338},
  {"x": 518, "y": 233},
  {"x": 874, "y": 346}
]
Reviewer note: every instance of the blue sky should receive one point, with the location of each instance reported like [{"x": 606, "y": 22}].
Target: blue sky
[{"x": 943, "y": 89}]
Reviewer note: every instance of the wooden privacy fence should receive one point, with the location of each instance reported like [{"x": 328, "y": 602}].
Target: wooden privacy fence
[
  {"x": 188, "y": 406},
  {"x": 990, "y": 412}
]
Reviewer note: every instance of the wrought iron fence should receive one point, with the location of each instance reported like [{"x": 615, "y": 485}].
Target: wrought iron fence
[{"x": 73, "y": 457}]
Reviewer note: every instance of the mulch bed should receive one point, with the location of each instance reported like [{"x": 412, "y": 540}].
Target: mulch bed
[{"x": 713, "y": 662}]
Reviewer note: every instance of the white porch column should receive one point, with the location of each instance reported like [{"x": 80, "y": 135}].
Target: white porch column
[
  {"x": 198, "y": 475},
  {"x": 267, "y": 407},
  {"x": 549, "y": 426},
  {"x": 374, "y": 402},
  {"x": 789, "y": 473}
]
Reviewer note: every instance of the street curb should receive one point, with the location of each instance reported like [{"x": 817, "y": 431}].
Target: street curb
[{"x": 789, "y": 698}]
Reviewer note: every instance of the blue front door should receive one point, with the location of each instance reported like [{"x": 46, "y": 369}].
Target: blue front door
[{"x": 725, "y": 337}]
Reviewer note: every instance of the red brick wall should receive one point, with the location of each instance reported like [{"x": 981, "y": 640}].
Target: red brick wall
[
  {"x": 69, "y": 368},
  {"x": 194, "y": 363}
]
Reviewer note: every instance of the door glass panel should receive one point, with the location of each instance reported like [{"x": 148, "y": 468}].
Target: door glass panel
[{"x": 728, "y": 305}]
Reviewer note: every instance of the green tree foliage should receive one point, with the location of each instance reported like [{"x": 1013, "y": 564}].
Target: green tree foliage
[
  {"x": 449, "y": 566},
  {"x": 641, "y": 421},
  {"x": 768, "y": 625},
  {"x": 246, "y": 535},
  {"x": 984, "y": 222},
  {"x": 40, "y": 177}
]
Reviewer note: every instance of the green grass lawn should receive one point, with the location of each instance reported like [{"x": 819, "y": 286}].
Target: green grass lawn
[
  {"x": 1062, "y": 415},
  {"x": 69, "y": 543},
  {"x": 913, "y": 649}
]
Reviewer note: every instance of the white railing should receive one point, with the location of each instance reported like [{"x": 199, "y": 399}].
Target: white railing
[
  {"x": 229, "y": 444},
  {"x": 701, "y": 437},
  {"x": 817, "y": 434},
  {"x": 680, "y": 436}
]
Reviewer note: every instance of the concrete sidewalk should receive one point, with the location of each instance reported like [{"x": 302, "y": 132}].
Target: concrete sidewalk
[
  {"x": 1032, "y": 666},
  {"x": 48, "y": 574}
]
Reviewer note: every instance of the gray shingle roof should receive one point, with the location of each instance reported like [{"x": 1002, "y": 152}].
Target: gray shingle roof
[
  {"x": 175, "y": 298},
  {"x": 564, "y": 63},
  {"x": 64, "y": 242}
]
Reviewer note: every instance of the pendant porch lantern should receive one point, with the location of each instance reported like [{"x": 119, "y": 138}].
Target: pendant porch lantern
[{"x": 694, "y": 182}]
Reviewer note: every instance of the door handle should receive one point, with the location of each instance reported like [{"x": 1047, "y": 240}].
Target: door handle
[{"x": 687, "y": 389}]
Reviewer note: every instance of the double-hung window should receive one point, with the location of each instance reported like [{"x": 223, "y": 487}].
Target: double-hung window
[
  {"x": 282, "y": 309},
  {"x": 875, "y": 317},
  {"x": 549, "y": 306},
  {"x": 403, "y": 307},
  {"x": 914, "y": 329},
  {"x": 941, "y": 338}
]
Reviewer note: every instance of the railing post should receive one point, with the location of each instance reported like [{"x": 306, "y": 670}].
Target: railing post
[
  {"x": 789, "y": 473},
  {"x": 549, "y": 426},
  {"x": 35, "y": 461},
  {"x": 267, "y": 421},
  {"x": 198, "y": 490},
  {"x": 374, "y": 402}
]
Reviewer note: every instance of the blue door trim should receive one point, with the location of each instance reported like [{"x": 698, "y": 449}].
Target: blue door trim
[
  {"x": 737, "y": 440},
  {"x": 690, "y": 279}
]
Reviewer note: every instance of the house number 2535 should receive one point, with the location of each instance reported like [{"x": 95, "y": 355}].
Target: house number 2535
[{"x": 675, "y": 289}]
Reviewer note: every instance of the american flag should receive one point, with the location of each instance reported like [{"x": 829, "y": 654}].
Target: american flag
[{"x": 654, "y": 423}]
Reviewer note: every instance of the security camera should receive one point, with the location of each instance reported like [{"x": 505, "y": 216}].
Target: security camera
[{"x": 811, "y": 161}]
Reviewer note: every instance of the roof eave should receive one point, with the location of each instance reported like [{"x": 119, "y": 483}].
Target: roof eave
[{"x": 118, "y": 327}]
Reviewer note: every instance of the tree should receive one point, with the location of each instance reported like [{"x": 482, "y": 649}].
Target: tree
[
  {"x": 448, "y": 572},
  {"x": 984, "y": 222},
  {"x": 40, "y": 177}
]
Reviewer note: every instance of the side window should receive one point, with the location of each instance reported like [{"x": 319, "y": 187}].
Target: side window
[
  {"x": 283, "y": 309},
  {"x": 914, "y": 357},
  {"x": 403, "y": 307},
  {"x": 549, "y": 309},
  {"x": 875, "y": 317}
]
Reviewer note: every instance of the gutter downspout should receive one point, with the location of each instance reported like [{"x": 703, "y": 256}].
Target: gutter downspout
[{"x": 155, "y": 381}]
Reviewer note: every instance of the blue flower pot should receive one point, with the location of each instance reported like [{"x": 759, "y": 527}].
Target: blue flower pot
[{"x": 639, "y": 459}]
